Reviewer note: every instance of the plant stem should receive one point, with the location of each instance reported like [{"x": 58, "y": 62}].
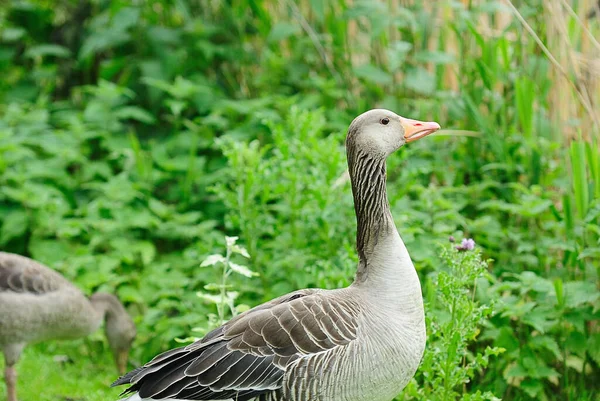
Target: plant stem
[{"x": 221, "y": 308}]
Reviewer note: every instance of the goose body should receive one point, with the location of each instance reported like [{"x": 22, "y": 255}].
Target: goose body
[
  {"x": 360, "y": 343},
  {"x": 39, "y": 304}
]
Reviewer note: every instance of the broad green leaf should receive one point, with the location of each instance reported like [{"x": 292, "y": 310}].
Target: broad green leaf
[
  {"x": 212, "y": 260},
  {"x": 420, "y": 80},
  {"x": 432, "y": 56},
  {"x": 14, "y": 225},
  {"x": 547, "y": 342},
  {"x": 593, "y": 347},
  {"x": 135, "y": 113},
  {"x": 373, "y": 74},
  {"x": 283, "y": 30},
  {"x": 580, "y": 292},
  {"x": 215, "y": 299},
  {"x": 243, "y": 270},
  {"x": 230, "y": 241},
  {"x": 532, "y": 387},
  {"x": 240, "y": 250},
  {"x": 12, "y": 34}
]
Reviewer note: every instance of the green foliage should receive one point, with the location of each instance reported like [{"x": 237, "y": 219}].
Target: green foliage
[
  {"x": 545, "y": 313},
  {"x": 73, "y": 370},
  {"x": 298, "y": 227},
  {"x": 225, "y": 301},
  {"x": 454, "y": 321},
  {"x": 134, "y": 136}
]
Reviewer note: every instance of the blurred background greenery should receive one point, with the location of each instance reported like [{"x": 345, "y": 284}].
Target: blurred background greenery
[{"x": 135, "y": 134}]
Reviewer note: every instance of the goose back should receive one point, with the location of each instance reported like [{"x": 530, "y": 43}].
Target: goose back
[{"x": 37, "y": 303}]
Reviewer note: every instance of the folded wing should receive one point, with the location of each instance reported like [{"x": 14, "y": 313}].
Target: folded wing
[
  {"x": 19, "y": 274},
  {"x": 248, "y": 356}
]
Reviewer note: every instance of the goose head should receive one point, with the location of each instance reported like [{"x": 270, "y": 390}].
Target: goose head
[
  {"x": 120, "y": 332},
  {"x": 380, "y": 132},
  {"x": 118, "y": 326}
]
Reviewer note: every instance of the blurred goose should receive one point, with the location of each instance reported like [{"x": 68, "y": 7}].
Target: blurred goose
[
  {"x": 37, "y": 304},
  {"x": 360, "y": 343}
]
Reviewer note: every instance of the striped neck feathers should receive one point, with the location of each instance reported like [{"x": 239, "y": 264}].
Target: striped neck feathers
[{"x": 373, "y": 217}]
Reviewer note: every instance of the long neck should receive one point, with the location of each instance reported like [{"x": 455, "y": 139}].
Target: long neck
[
  {"x": 105, "y": 305},
  {"x": 373, "y": 216}
]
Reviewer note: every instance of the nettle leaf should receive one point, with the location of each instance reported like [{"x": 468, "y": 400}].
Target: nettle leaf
[
  {"x": 128, "y": 293},
  {"x": 283, "y": 30},
  {"x": 14, "y": 225},
  {"x": 212, "y": 260},
  {"x": 515, "y": 371},
  {"x": 102, "y": 40},
  {"x": 576, "y": 343},
  {"x": 49, "y": 251},
  {"x": 435, "y": 57},
  {"x": 575, "y": 362},
  {"x": 548, "y": 343},
  {"x": 215, "y": 299},
  {"x": 243, "y": 270},
  {"x": 241, "y": 308},
  {"x": 373, "y": 74},
  {"x": 589, "y": 253},
  {"x": 532, "y": 387},
  {"x": 593, "y": 347},
  {"x": 420, "y": 80},
  {"x": 578, "y": 293},
  {"x": 539, "y": 319},
  {"x": 240, "y": 250},
  {"x": 230, "y": 241},
  {"x": 146, "y": 250},
  {"x": 545, "y": 372},
  {"x": 135, "y": 113}
]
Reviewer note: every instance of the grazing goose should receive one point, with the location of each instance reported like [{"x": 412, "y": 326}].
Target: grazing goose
[
  {"x": 360, "y": 343},
  {"x": 37, "y": 304}
]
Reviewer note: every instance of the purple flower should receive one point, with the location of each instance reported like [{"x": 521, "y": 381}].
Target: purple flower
[
  {"x": 467, "y": 244},
  {"x": 451, "y": 239}
]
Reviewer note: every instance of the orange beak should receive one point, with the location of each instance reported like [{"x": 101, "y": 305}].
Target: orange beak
[
  {"x": 415, "y": 129},
  {"x": 121, "y": 360}
]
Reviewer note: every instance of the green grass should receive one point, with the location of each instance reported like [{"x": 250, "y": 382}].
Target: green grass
[{"x": 81, "y": 378}]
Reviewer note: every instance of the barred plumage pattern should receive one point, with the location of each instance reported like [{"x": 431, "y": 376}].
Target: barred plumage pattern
[
  {"x": 249, "y": 355},
  {"x": 23, "y": 275}
]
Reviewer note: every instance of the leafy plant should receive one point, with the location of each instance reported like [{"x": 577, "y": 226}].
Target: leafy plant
[
  {"x": 225, "y": 300},
  {"x": 455, "y": 318},
  {"x": 133, "y": 136}
]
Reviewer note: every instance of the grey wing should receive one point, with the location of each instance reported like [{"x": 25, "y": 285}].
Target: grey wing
[
  {"x": 19, "y": 274},
  {"x": 249, "y": 355}
]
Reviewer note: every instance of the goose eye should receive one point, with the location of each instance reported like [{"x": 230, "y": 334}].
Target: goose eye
[{"x": 385, "y": 121}]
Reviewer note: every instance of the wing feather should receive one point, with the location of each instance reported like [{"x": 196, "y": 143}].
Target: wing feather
[
  {"x": 249, "y": 355},
  {"x": 207, "y": 359},
  {"x": 23, "y": 275}
]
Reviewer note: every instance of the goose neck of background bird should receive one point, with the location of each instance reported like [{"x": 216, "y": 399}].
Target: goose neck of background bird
[{"x": 106, "y": 306}]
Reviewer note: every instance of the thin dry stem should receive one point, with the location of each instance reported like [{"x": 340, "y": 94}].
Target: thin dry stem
[{"x": 582, "y": 96}]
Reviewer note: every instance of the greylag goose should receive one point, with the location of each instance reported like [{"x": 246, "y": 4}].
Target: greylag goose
[
  {"x": 38, "y": 304},
  {"x": 359, "y": 343}
]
